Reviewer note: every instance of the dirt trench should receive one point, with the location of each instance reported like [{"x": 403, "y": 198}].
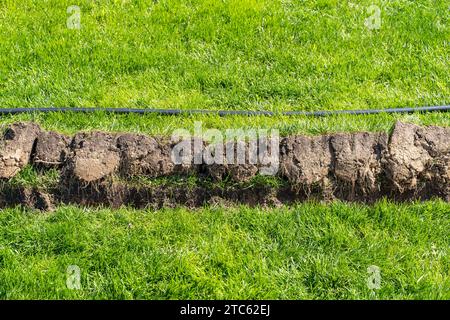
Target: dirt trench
[{"x": 97, "y": 168}]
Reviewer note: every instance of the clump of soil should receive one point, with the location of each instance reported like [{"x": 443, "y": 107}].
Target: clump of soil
[
  {"x": 30, "y": 197},
  {"x": 306, "y": 162},
  {"x": 143, "y": 155},
  {"x": 357, "y": 164},
  {"x": 232, "y": 166},
  {"x": 437, "y": 177},
  {"x": 51, "y": 149},
  {"x": 411, "y": 154},
  {"x": 16, "y": 146},
  {"x": 93, "y": 156}
]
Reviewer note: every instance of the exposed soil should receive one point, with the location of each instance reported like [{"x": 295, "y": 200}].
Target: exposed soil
[
  {"x": 51, "y": 150},
  {"x": 307, "y": 164},
  {"x": 416, "y": 161},
  {"x": 357, "y": 168},
  {"x": 237, "y": 169},
  {"x": 92, "y": 157},
  {"x": 411, "y": 163},
  {"x": 143, "y": 155},
  {"x": 16, "y": 146}
]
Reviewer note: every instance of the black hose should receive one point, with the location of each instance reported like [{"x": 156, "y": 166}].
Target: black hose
[{"x": 224, "y": 112}]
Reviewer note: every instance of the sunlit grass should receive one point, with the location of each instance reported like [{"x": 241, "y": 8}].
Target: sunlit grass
[
  {"x": 232, "y": 54},
  {"x": 308, "y": 251}
]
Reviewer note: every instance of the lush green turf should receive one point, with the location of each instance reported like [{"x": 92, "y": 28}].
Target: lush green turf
[
  {"x": 271, "y": 55},
  {"x": 265, "y": 54},
  {"x": 307, "y": 251}
]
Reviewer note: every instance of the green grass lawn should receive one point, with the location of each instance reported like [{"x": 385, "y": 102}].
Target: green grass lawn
[
  {"x": 308, "y": 251},
  {"x": 231, "y": 54},
  {"x": 265, "y": 54}
]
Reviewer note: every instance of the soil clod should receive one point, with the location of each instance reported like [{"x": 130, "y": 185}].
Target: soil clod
[
  {"x": 51, "y": 150},
  {"x": 93, "y": 156},
  {"x": 143, "y": 155},
  {"x": 357, "y": 164},
  {"x": 16, "y": 146},
  {"x": 412, "y": 152}
]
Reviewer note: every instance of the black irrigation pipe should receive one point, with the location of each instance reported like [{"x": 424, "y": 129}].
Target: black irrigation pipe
[{"x": 225, "y": 112}]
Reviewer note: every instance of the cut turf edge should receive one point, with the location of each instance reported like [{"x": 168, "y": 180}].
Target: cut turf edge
[{"x": 412, "y": 163}]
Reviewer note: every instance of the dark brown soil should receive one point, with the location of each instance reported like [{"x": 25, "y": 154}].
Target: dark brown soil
[
  {"x": 143, "y": 155},
  {"x": 51, "y": 150},
  {"x": 412, "y": 163},
  {"x": 437, "y": 177},
  {"x": 238, "y": 170}
]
